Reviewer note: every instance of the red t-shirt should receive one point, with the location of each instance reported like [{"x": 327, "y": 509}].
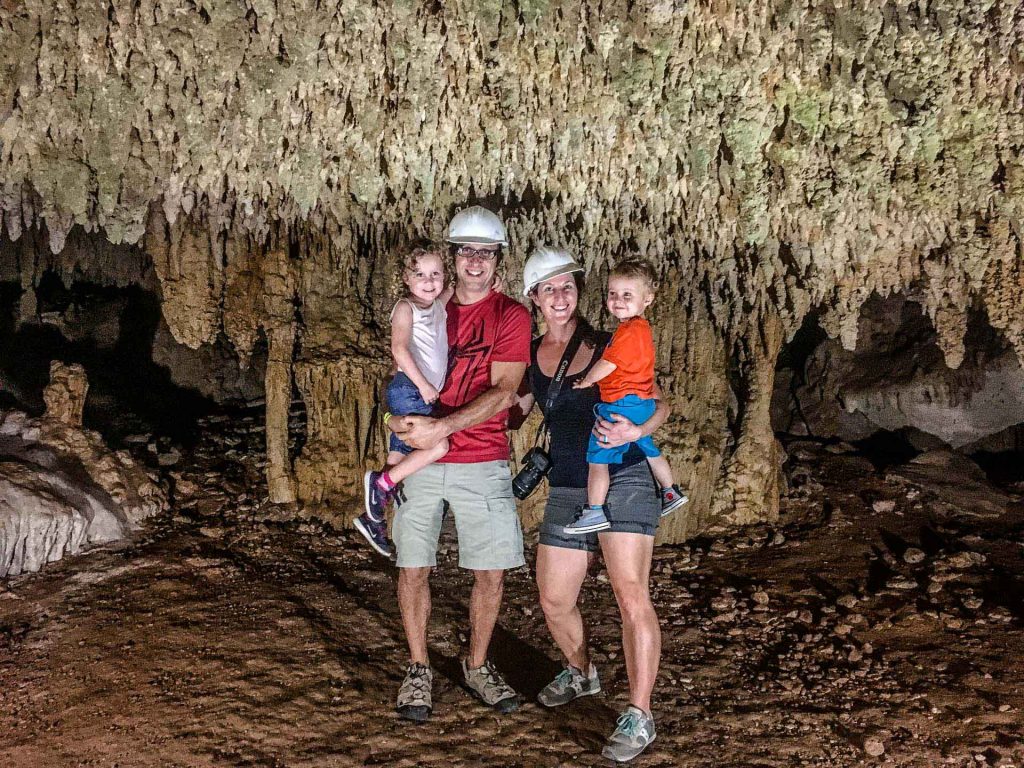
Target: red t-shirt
[
  {"x": 632, "y": 351},
  {"x": 493, "y": 330}
]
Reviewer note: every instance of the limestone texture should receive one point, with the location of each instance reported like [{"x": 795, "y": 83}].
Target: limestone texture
[
  {"x": 60, "y": 486},
  {"x": 65, "y": 394},
  {"x": 898, "y": 378},
  {"x": 769, "y": 157}
]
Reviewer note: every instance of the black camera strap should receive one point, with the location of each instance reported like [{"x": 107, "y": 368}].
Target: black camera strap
[{"x": 555, "y": 387}]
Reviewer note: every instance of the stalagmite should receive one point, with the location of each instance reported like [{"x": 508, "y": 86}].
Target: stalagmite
[
  {"x": 748, "y": 490},
  {"x": 60, "y": 486},
  {"x": 65, "y": 394}
]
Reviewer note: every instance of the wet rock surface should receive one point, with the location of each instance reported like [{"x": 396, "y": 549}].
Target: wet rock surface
[{"x": 868, "y": 627}]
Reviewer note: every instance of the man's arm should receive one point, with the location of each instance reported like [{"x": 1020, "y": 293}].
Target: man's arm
[{"x": 426, "y": 431}]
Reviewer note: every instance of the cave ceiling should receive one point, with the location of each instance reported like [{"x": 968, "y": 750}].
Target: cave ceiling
[{"x": 770, "y": 157}]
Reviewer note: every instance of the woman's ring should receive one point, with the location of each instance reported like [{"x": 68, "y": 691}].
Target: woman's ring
[{"x": 604, "y": 438}]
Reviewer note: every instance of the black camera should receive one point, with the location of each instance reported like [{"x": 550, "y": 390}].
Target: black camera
[{"x": 536, "y": 464}]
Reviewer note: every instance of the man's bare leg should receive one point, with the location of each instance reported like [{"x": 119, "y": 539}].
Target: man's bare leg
[
  {"x": 414, "y": 602},
  {"x": 484, "y": 606}
]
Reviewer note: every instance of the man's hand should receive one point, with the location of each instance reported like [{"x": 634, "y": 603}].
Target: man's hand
[
  {"x": 420, "y": 432},
  {"x": 618, "y": 431}
]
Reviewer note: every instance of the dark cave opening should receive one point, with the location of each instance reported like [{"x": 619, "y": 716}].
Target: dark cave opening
[
  {"x": 894, "y": 398},
  {"x": 111, "y": 332}
]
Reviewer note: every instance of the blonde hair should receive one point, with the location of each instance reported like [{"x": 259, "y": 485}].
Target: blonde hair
[
  {"x": 411, "y": 259},
  {"x": 636, "y": 269}
]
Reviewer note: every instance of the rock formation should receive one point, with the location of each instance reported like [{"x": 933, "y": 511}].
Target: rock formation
[
  {"x": 898, "y": 379},
  {"x": 60, "y": 487},
  {"x": 768, "y": 157}
]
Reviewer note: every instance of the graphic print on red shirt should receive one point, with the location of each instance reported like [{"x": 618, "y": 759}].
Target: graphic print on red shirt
[{"x": 495, "y": 329}]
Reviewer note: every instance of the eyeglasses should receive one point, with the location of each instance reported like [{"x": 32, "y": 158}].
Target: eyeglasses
[{"x": 468, "y": 252}]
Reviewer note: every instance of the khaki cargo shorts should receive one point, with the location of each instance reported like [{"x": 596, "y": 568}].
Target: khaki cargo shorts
[{"x": 486, "y": 521}]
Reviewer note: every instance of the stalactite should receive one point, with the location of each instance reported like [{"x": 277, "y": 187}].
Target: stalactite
[{"x": 780, "y": 156}]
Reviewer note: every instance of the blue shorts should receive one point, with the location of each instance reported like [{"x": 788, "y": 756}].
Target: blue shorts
[
  {"x": 404, "y": 399},
  {"x": 638, "y": 410}
]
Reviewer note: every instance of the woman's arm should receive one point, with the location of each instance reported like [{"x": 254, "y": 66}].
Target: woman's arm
[
  {"x": 401, "y": 335},
  {"x": 620, "y": 430}
]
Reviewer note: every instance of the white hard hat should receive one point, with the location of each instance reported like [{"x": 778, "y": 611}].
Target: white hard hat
[
  {"x": 476, "y": 226},
  {"x": 545, "y": 263}
]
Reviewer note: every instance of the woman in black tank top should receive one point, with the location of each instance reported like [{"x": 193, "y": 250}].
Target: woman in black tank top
[{"x": 563, "y": 561}]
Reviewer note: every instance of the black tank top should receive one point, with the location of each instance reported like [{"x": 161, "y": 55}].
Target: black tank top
[{"x": 571, "y": 421}]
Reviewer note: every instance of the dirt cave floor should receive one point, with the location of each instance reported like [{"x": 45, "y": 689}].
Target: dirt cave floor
[{"x": 881, "y": 622}]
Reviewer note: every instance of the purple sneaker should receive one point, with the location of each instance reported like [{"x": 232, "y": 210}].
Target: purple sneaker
[
  {"x": 375, "y": 500},
  {"x": 375, "y": 533}
]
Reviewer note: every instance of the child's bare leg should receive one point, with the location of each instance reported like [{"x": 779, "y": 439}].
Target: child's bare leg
[
  {"x": 662, "y": 471},
  {"x": 393, "y": 458},
  {"x": 597, "y": 484},
  {"x": 415, "y": 461}
]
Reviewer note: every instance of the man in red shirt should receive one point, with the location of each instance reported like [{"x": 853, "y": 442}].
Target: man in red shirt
[{"x": 489, "y": 349}]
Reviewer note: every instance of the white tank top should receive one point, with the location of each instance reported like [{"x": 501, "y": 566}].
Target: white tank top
[{"x": 429, "y": 342}]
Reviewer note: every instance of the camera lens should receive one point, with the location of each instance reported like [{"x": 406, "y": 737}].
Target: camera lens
[{"x": 535, "y": 465}]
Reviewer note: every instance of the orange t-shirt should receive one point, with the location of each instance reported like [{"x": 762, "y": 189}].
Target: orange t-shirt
[{"x": 632, "y": 351}]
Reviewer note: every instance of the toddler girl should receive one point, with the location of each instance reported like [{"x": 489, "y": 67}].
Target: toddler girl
[{"x": 419, "y": 345}]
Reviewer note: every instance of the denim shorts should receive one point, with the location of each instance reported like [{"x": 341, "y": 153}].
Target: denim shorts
[
  {"x": 636, "y": 409},
  {"x": 634, "y": 506},
  {"x": 404, "y": 399}
]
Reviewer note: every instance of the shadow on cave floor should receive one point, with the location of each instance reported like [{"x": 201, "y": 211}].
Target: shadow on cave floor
[{"x": 234, "y": 633}]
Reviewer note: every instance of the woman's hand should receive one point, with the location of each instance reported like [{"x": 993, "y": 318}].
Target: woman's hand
[{"x": 617, "y": 431}]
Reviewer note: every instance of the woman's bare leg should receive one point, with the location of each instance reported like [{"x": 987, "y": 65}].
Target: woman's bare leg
[
  {"x": 628, "y": 559},
  {"x": 560, "y": 574}
]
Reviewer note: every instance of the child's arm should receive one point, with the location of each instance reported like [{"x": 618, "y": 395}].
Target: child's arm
[
  {"x": 401, "y": 335},
  {"x": 445, "y": 296},
  {"x": 602, "y": 368}
]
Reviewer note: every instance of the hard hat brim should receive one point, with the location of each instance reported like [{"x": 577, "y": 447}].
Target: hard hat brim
[
  {"x": 565, "y": 269},
  {"x": 470, "y": 240}
]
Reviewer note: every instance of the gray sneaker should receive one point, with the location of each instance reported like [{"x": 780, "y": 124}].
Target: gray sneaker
[
  {"x": 490, "y": 687},
  {"x": 414, "y": 702},
  {"x": 634, "y": 731},
  {"x": 589, "y": 519},
  {"x": 570, "y": 684}
]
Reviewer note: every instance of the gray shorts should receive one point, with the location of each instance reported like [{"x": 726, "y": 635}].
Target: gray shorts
[
  {"x": 633, "y": 507},
  {"x": 486, "y": 521}
]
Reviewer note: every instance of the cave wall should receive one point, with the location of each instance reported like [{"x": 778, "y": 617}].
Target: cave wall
[{"x": 769, "y": 157}]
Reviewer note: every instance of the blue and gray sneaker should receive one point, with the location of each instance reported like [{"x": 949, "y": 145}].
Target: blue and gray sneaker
[
  {"x": 588, "y": 520},
  {"x": 375, "y": 500},
  {"x": 570, "y": 684},
  {"x": 376, "y": 533},
  {"x": 634, "y": 732},
  {"x": 671, "y": 499}
]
